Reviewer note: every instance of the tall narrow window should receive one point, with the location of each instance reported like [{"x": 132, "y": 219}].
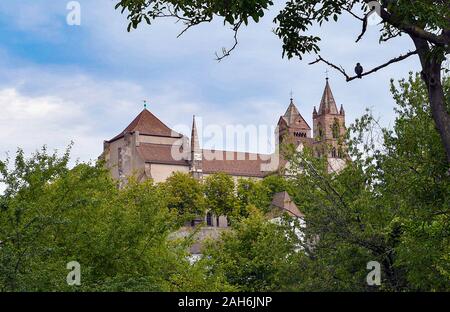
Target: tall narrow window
[
  {"x": 335, "y": 129},
  {"x": 120, "y": 161},
  {"x": 209, "y": 219},
  {"x": 319, "y": 132},
  {"x": 333, "y": 152}
]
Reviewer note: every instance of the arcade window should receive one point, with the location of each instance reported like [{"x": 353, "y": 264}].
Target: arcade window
[{"x": 333, "y": 152}]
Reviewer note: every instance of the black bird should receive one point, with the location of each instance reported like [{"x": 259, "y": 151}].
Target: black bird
[{"x": 359, "y": 70}]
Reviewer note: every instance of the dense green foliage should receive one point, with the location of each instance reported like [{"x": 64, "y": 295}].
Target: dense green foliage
[
  {"x": 257, "y": 255},
  {"x": 185, "y": 196},
  {"x": 220, "y": 195},
  {"x": 51, "y": 215},
  {"x": 390, "y": 204}
]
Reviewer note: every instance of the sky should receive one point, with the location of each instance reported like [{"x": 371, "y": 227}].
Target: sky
[{"x": 85, "y": 83}]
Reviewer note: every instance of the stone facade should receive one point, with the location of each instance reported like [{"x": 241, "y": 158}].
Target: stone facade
[{"x": 148, "y": 149}]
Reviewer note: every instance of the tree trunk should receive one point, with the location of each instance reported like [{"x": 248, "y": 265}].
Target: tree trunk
[
  {"x": 438, "y": 107},
  {"x": 431, "y": 75}
]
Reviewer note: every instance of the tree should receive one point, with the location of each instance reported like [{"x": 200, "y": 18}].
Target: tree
[
  {"x": 253, "y": 193},
  {"x": 51, "y": 214},
  {"x": 426, "y": 22},
  {"x": 185, "y": 195},
  {"x": 390, "y": 204},
  {"x": 220, "y": 195},
  {"x": 257, "y": 255}
]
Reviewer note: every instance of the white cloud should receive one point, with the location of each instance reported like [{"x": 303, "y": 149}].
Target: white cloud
[
  {"x": 30, "y": 122},
  {"x": 16, "y": 108},
  {"x": 94, "y": 101}
]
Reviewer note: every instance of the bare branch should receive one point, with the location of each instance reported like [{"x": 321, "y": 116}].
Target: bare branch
[
  {"x": 338, "y": 68},
  {"x": 353, "y": 14},
  {"x": 350, "y": 78},
  {"x": 191, "y": 24},
  {"x": 364, "y": 27},
  {"x": 390, "y": 36},
  {"x": 226, "y": 52}
]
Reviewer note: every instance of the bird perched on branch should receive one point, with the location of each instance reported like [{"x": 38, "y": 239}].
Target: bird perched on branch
[{"x": 359, "y": 70}]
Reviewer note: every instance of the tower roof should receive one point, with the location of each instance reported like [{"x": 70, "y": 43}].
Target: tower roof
[
  {"x": 292, "y": 115},
  {"x": 283, "y": 201},
  {"x": 195, "y": 145},
  {"x": 147, "y": 123},
  {"x": 328, "y": 104}
]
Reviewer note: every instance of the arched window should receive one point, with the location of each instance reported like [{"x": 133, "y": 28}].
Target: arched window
[
  {"x": 333, "y": 152},
  {"x": 335, "y": 129},
  {"x": 209, "y": 219},
  {"x": 300, "y": 134},
  {"x": 319, "y": 131}
]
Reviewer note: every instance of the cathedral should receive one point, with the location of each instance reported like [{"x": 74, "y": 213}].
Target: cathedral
[{"x": 149, "y": 149}]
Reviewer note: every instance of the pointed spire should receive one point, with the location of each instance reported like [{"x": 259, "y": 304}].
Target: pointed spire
[
  {"x": 328, "y": 104},
  {"x": 196, "y": 153},
  {"x": 341, "y": 111},
  {"x": 315, "y": 111},
  {"x": 195, "y": 145},
  {"x": 293, "y": 116},
  {"x": 291, "y": 113}
]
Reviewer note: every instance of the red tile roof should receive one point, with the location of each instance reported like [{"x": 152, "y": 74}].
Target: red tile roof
[
  {"x": 235, "y": 163},
  {"x": 293, "y": 117},
  {"x": 147, "y": 123},
  {"x": 161, "y": 154}
]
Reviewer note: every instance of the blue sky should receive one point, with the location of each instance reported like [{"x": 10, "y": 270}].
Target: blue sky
[{"x": 85, "y": 83}]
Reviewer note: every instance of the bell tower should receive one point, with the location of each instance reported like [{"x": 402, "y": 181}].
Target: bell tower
[
  {"x": 329, "y": 126},
  {"x": 292, "y": 126}
]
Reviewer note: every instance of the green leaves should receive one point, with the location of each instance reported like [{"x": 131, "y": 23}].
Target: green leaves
[
  {"x": 390, "y": 204},
  {"x": 220, "y": 195},
  {"x": 256, "y": 256},
  {"x": 194, "y": 12},
  {"x": 185, "y": 196},
  {"x": 51, "y": 215}
]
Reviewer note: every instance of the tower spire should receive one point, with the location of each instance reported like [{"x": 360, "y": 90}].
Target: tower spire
[
  {"x": 328, "y": 104},
  {"x": 196, "y": 152},
  {"x": 195, "y": 145}
]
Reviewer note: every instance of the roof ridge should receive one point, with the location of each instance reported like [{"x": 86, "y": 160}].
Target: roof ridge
[
  {"x": 147, "y": 123},
  {"x": 234, "y": 152}
]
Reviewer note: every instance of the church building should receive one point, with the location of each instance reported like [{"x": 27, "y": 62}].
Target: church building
[{"x": 149, "y": 149}]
